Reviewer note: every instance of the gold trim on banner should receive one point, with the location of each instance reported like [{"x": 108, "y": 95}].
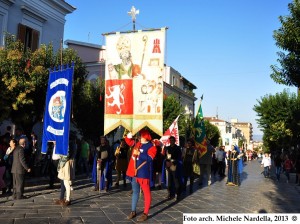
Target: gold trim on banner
[
  {"x": 146, "y": 117},
  {"x": 119, "y": 117},
  {"x": 149, "y": 125},
  {"x": 126, "y": 125}
]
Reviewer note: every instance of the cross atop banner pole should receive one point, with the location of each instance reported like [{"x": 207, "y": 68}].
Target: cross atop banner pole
[{"x": 133, "y": 13}]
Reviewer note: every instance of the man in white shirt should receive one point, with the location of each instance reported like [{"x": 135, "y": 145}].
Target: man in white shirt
[{"x": 266, "y": 163}]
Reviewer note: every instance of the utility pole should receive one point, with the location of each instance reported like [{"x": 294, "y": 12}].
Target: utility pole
[{"x": 133, "y": 12}]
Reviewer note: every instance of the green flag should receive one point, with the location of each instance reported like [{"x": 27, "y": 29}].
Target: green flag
[{"x": 199, "y": 132}]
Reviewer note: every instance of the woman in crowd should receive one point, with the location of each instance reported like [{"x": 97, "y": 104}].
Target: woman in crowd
[
  {"x": 235, "y": 167},
  {"x": 66, "y": 174}
]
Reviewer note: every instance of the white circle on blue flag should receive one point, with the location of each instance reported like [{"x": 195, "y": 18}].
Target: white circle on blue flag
[{"x": 57, "y": 106}]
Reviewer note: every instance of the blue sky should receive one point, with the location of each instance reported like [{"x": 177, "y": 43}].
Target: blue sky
[{"x": 224, "y": 47}]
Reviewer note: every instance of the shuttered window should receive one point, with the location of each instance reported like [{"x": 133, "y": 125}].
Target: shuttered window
[{"x": 29, "y": 37}]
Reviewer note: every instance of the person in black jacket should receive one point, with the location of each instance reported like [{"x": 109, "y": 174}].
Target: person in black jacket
[
  {"x": 173, "y": 164},
  {"x": 104, "y": 169},
  {"x": 278, "y": 165},
  {"x": 8, "y": 158},
  {"x": 2, "y": 172},
  {"x": 121, "y": 162},
  {"x": 19, "y": 167},
  {"x": 53, "y": 160}
]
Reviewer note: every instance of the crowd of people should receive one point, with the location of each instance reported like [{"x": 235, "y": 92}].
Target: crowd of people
[
  {"x": 15, "y": 162},
  {"x": 143, "y": 162},
  {"x": 285, "y": 162}
]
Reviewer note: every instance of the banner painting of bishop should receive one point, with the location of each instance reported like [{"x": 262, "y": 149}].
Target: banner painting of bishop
[{"x": 134, "y": 80}]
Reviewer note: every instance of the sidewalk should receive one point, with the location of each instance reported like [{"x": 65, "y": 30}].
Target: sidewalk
[{"x": 255, "y": 195}]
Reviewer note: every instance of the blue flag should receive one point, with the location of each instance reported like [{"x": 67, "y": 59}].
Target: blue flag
[{"x": 58, "y": 110}]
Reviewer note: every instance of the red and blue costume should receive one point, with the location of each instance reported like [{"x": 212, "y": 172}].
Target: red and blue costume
[{"x": 139, "y": 169}]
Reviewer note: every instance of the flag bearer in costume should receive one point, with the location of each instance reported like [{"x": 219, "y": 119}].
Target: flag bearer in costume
[
  {"x": 102, "y": 172},
  {"x": 173, "y": 166},
  {"x": 139, "y": 169},
  {"x": 190, "y": 158},
  {"x": 121, "y": 154}
]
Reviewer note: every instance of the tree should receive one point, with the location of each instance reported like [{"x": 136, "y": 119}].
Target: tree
[
  {"x": 24, "y": 78},
  {"x": 288, "y": 39},
  {"x": 278, "y": 119},
  {"x": 89, "y": 111},
  {"x": 212, "y": 133},
  {"x": 171, "y": 109},
  {"x": 15, "y": 79},
  {"x": 241, "y": 142}
]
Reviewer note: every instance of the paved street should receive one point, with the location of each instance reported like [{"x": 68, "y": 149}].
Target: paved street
[{"x": 256, "y": 194}]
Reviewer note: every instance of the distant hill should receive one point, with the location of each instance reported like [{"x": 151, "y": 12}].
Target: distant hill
[{"x": 257, "y": 138}]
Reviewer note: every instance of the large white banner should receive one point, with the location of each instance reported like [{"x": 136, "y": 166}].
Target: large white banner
[{"x": 134, "y": 80}]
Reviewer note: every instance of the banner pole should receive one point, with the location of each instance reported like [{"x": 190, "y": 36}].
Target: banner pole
[
  {"x": 201, "y": 98},
  {"x": 61, "y": 54}
]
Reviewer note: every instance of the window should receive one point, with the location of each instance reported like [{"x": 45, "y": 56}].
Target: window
[
  {"x": 3, "y": 22},
  {"x": 1, "y": 28},
  {"x": 175, "y": 81},
  {"x": 29, "y": 37}
]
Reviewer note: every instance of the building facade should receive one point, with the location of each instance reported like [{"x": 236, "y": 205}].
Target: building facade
[
  {"x": 246, "y": 129},
  {"x": 225, "y": 131},
  {"x": 175, "y": 84},
  {"x": 34, "y": 22},
  {"x": 92, "y": 55},
  {"x": 232, "y": 132}
]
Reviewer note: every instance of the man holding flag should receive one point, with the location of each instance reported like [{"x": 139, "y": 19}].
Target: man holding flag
[
  {"x": 201, "y": 144},
  {"x": 205, "y": 162}
]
